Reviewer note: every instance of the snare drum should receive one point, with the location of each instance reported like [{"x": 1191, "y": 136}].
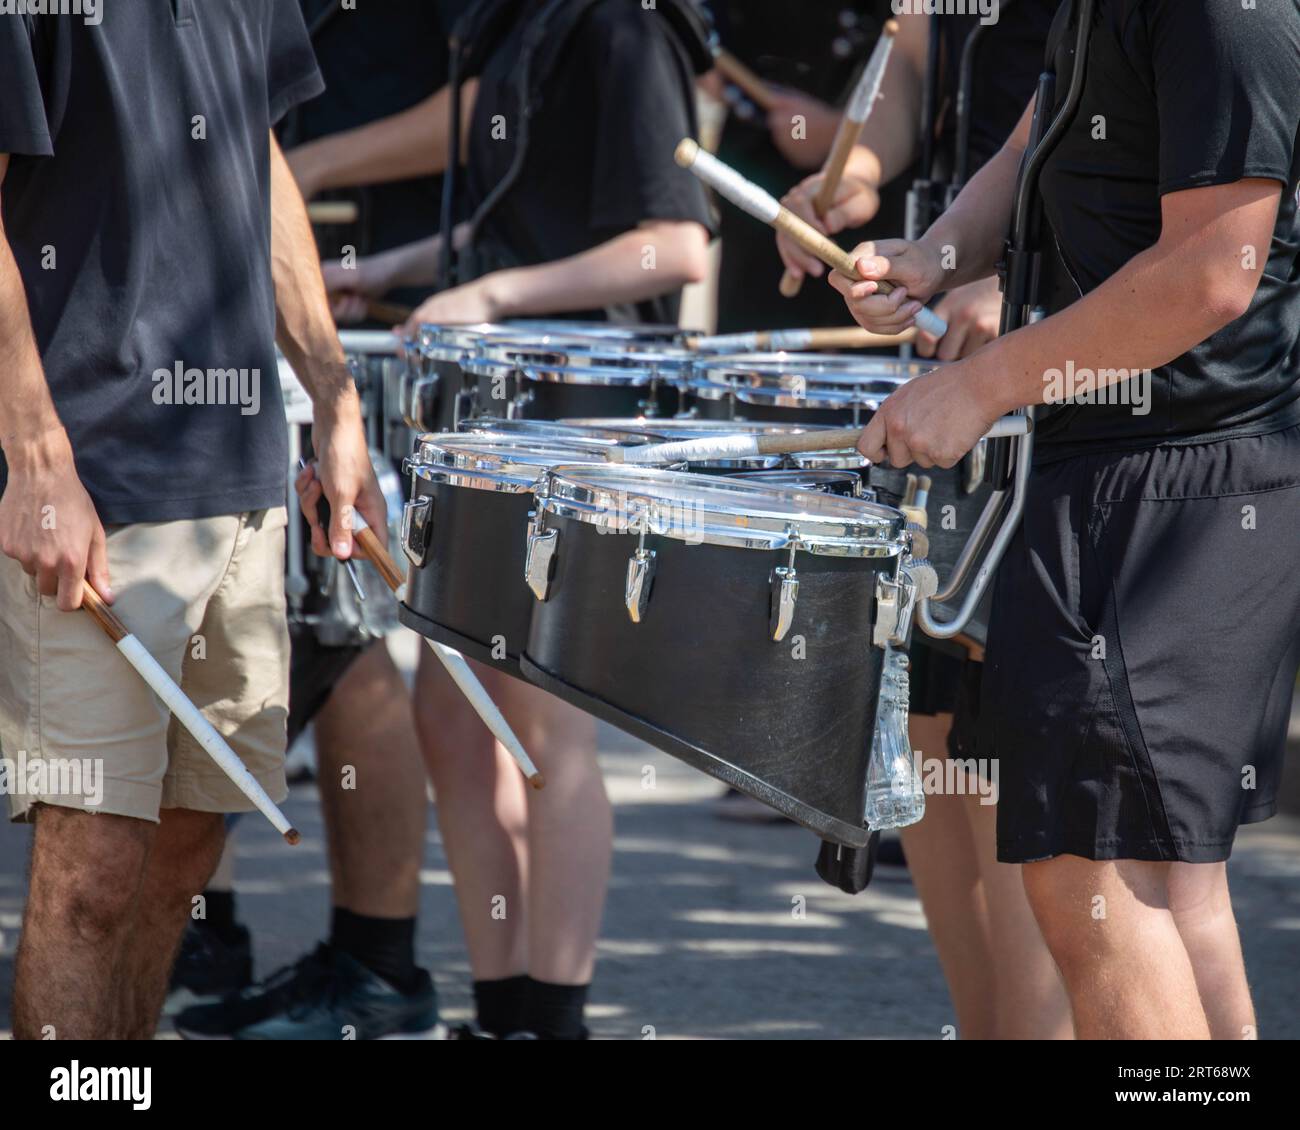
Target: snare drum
[
  {"x": 727, "y": 623},
  {"x": 841, "y": 390},
  {"x": 553, "y": 376},
  {"x": 464, "y": 532}
]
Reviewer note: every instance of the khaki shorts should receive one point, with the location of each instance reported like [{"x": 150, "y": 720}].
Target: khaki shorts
[{"x": 80, "y": 729}]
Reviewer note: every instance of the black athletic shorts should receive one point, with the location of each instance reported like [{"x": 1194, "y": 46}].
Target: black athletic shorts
[
  {"x": 314, "y": 670},
  {"x": 1143, "y": 651},
  {"x": 933, "y": 678}
]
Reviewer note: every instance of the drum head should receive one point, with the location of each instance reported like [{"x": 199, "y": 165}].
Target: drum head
[
  {"x": 497, "y": 462},
  {"x": 722, "y": 511}
]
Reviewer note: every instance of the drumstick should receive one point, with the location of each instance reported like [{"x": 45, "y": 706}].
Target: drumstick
[
  {"x": 452, "y": 660},
  {"x": 846, "y": 137},
  {"x": 735, "y": 72},
  {"x": 185, "y": 712},
  {"x": 389, "y": 312},
  {"x": 713, "y": 448},
  {"x": 764, "y": 206},
  {"x": 333, "y": 212},
  {"x": 832, "y": 337}
]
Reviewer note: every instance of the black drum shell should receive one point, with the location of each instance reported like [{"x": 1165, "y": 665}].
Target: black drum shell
[
  {"x": 701, "y": 678},
  {"x": 470, "y": 593},
  {"x": 946, "y": 544},
  {"x": 555, "y": 400}
]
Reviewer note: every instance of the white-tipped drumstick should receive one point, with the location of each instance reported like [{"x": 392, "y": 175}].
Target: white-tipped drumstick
[
  {"x": 451, "y": 659},
  {"x": 185, "y": 712},
  {"x": 712, "y": 448},
  {"x": 762, "y": 205},
  {"x": 850, "y": 129},
  {"x": 775, "y": 341}
]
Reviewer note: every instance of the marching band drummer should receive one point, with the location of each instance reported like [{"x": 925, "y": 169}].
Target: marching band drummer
[
  {"x": 590, "y": 219},
  {"x": 375, "y": 65},
  {"x": 1001, "y": 977},
  {"x": 137, "y": 245},
  {"x": 1144, "y": 643}
]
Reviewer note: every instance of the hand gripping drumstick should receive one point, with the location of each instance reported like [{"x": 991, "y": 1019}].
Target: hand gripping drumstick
[
  {"x": 710, "y": 448},
  {"x": 185, "y": 712},
  {"x": 830, "y": 337},
  {"x": 455, "y": 663},
  {"x": 764, "y": 206},
  {"x": 846, "y": 137}
]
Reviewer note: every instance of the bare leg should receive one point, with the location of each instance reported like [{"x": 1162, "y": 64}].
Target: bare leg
[
  {"x": 86, "y": 875},
  {"x": 1029, "y": 998},
  {"x": 943, "y": 861},
  {"x": 570, "y": 835},
  {"x": 1111, "y": 930},
  {"x": 365, "y": 739},
  {"x": 1202, "y": 909},
  {"x": 482, "y": 814},
  {"x": 184, "y": 853}
]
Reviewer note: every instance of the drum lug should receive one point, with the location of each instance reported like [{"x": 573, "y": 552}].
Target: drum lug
[
  {"x": 417, "y": 525},
  {"x": 972, "y": 467},
  {"x": 640, "y": 580},
  {"x": 539, "y": 564},
  {"x": 785, "y": 594},
  {"x": 895, "y": 603}
]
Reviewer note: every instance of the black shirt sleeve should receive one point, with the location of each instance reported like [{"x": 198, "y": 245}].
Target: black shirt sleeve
[
  {"x": 642, "y": 112},
  {"x": 291, "y": 72},
  {"x": 1227, "y": 86},
  {"x": 23, "y": 128}
]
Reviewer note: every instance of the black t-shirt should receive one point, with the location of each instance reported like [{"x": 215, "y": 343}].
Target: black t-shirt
[
  {"x": 1009, "y": 56},
  {"x": 159, "y": 239},
  {"x": 1192, "y": 93},
  {"x": 377, "y": 61},
  {"x": 818, "y": 48},
  {"x": 599, "y": 159}
]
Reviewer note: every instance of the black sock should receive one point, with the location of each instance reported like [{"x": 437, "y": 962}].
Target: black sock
[
  {"x": 500, "y": 1005},
  {"x": 554, "y": 1012},
  {"x": 385, "y": 946},
  {"x": 219, "y": 911}
]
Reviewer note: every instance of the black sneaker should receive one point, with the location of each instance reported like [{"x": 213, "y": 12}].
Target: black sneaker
[
  {"x": 208, "y": 967},
  {"x": 353, "y": 1003},
  {"x": 221, "y": 1019}
]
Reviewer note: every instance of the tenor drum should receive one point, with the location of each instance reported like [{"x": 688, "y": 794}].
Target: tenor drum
[
  {"x": 844, "y": 391},
  {"x": 727, "y": 623},
  {"x": 465, "y": 532},
  {"x": 436, "y": 391},
  {"x": 552, "y": 376}
]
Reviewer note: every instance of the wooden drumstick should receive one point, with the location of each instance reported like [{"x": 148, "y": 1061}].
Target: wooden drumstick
[
  {"x": 764, "y": 206},
  {"x": 185, "y": 712},
  {"x": 389, "y": 312},
  {"x": 709, "y": 449},
  {"x": 772, "y": 341},
  {"x": 333, "y": 212},
  {"x": 736, "y": 73},
  {"x": 846, "y": 137},
  {"x": 452, "y": 660}
]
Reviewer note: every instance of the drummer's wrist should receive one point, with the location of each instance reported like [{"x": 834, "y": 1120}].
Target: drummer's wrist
[
  {"x": 502, "y": 294},
  {"x": 39, "y": 444}
]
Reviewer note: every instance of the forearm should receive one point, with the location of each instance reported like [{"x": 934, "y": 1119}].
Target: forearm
[
  {"x": 633, "y": 267},
  {"x": 413, "y": 143},
  {"x": 305, "y": 330},
  {"x": 29, "y": 425},
  {"x": 412, "y": 264},
  {"x": 1164, "y": 302},
  {"x": 969, "y": 238}
]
